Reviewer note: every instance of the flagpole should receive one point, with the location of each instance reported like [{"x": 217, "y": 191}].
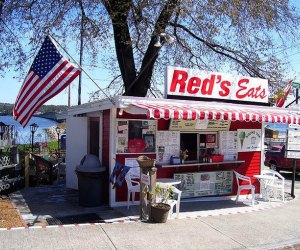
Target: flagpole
[
  {"x": 69, "y": 96},
  {"x": 52, "y": 38}
]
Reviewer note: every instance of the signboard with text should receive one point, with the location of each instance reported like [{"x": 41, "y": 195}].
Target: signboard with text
[
  {"x": 190, "y": 125},
  {"x": 293, "y": 142},
  {"x": 249, "y": 140},
  {"x": 197, "y": 184},
  {"x": 204, "y": 84}
]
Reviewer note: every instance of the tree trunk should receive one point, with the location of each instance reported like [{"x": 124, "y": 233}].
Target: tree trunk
[
  {"x": 118, "y": 11},
  {"x": 136, "y": 85}
]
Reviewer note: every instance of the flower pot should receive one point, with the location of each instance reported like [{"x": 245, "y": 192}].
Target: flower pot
[{"x": 159, "y": 212}]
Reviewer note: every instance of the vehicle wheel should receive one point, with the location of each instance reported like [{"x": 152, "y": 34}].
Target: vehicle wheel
[{"x": 273, "y": 166}]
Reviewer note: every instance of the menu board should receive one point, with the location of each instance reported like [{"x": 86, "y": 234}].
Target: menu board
[
  {"x": 167, "y": 144},
  {"x": 293, "y": 142},
  {"x": 228, "y": 145},
  {"x": 205, "y": 183},
  {"x": 192, "y": 125}
]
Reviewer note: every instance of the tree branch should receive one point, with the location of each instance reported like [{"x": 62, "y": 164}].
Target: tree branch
[
  {"x": 234, "y": 55},
  {"x": 1, "y": 8},
  {"x": 142, "y": 83}
]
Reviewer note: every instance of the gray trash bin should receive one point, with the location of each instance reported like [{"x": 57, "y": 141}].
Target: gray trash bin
[{"x": 90, "y": 175}]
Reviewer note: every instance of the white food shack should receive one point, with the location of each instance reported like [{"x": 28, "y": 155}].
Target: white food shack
[{"x": 218, "y": 119}]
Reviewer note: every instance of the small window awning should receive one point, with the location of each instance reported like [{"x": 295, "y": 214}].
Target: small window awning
[{"x": 193, "y": 110}]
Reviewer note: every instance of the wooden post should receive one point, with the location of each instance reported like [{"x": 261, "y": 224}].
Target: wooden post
[
  {"x": 152, "y": 195},
  {"x": 147, "y": 192},
  {"x": 27, "y": 170}
]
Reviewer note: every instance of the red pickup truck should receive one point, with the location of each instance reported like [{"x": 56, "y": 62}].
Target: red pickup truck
[{"x": 275, "y": 159}]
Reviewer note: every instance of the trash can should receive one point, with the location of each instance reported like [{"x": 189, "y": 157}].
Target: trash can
[{"x": 90, "y": 176}]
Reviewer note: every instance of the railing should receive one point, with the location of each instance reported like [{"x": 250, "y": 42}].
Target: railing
[{"x": 9, "y": 137}]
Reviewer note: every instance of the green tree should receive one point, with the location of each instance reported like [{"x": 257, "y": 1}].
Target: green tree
[{"x": 217, "y": 35}]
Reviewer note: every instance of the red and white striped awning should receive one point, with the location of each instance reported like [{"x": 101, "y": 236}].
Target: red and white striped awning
[{"x": 190, "y": 110}]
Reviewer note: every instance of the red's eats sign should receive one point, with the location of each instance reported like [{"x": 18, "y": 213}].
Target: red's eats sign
[{"x": 197, "y": 83}]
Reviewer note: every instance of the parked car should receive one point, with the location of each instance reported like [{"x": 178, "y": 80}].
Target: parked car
[{"x": 275, "y": 159}]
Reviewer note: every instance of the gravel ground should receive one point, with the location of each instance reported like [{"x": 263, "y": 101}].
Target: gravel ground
[{"x": 9, "y": 216}]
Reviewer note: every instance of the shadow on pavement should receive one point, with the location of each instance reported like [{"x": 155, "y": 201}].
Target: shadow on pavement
[{"x": 44, "y": 205}]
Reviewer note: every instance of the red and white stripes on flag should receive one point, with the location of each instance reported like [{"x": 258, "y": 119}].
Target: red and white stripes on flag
[
  {"x": 287, "y": 90},
  {"x": 49, "y": 74}
]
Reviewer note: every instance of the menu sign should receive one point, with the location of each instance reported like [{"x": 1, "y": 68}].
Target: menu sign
[
  {"x": 192, "y": 125},
  {"x": 293, "y": 142},
  {"x": 228, "y": 145},
  {"x": 167, "y": 145},
  {"x": 205, "y": 183}
]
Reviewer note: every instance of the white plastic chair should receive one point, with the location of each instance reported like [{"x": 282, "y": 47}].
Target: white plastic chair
[
  {"x": 269, "y": 172},
  {"x": 240, "y": 179},
  {"x": 275, "y": 186},
  {"x": 265, "y": 181},
  {"x": 171, "y": 202},
  {"x": 133, "y": 185}
]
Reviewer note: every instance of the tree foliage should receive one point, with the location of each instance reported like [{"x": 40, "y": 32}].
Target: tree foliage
[
  {"x": 217, "y": 35},
  {"x": 7, "y": 109}
]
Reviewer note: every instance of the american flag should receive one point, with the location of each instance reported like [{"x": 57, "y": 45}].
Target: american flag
[{"x": 49, "y": 74}]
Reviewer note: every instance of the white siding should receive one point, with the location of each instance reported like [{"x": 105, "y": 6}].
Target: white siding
[{"x": 77, "y": 134}]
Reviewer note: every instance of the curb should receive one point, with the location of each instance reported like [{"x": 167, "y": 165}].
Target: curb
[{"x": 133, "y": 220}]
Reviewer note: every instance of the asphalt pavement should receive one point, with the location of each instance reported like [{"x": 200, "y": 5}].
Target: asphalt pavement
[{"x": 201, "y": 225}]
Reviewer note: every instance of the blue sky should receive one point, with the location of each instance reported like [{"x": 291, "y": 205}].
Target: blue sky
[
  {"x": 103, "y": 78},
  {"x": 100, "y": 76}
]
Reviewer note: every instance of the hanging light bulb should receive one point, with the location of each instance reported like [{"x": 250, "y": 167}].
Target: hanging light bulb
[
  {"x": 169, "y": 39},
  {"x": 158, "y": 44}
]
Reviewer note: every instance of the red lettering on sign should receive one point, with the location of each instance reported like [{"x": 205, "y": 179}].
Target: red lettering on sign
[
  {"x": 225, "y": 88},
  {"x": 208, "y": 85},
  {"x": 193, "y": 85},
  {"x": 179, "y": 77},
  {"x": 252, "y": 92}
]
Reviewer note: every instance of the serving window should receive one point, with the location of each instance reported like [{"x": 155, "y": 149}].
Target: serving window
[
  {"x": 189, "y": 142},
  {"x": 199, "y": 145},
  {"x": 135, "y": 136}
]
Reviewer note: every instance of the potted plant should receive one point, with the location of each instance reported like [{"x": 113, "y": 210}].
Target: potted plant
[{"x": 159, "y": 210}]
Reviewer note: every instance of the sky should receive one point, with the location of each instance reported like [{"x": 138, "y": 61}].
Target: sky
[
  {"x": 100, "y": 76},
  {"x": 103, "y": 78}
]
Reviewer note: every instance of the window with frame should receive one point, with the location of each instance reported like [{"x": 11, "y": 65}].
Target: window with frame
[{"x": 136, "y": 136}]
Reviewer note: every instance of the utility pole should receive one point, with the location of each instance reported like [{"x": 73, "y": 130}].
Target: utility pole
[{"x": 81, "y": 53}]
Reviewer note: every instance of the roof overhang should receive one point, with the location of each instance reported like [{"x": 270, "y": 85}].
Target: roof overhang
[
  {"x": 193, "y": 110},
  {"x": 157, "y": 108}
]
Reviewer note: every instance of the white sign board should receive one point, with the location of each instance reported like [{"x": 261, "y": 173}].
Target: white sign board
[
  {"x": 134, "y": 166},
  {"x": 192, "y": 125},
  {"x": 145, "y": 179},
  {"x": 167, "y": 144},
  {"x": 205, "y": 183},
  {"x": 204, "y": 84},
  {"x": 293, "y": 142},
  {"x": 228, "y": 145},
  {"x": 249, "y": 140}
]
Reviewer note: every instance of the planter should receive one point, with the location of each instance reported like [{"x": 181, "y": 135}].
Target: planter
[
  {"x": 159, "y": 212},
  {"x": 145, "y": 162}
]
